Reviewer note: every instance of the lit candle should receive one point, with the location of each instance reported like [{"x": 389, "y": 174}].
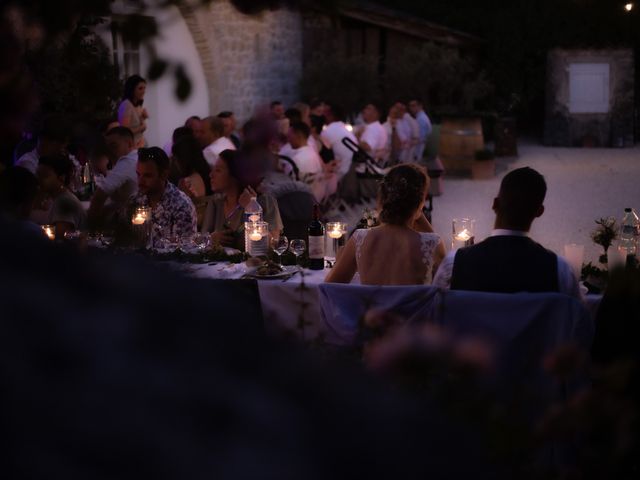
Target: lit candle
[
  {"x": 255, "y": 236},
  {"x": 335, "y": 234},
  {"x": 139, "y": 219},
  {"x": 463, "y": 236},
  {"x": 48, "y": 231}
]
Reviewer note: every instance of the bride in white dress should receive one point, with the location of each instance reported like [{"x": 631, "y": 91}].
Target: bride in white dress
[{"x": 403, "y": 250}]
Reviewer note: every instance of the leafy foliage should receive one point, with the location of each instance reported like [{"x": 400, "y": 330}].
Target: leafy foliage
[
  {"x": 350, "y": 82},
  {"x": 438, "y": 75},
  {"x": 75, "y": 75},
  {"x": 605, "y": 233}
]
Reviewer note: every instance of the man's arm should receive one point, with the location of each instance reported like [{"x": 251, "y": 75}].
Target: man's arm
[{"x": 445, "y": 271}]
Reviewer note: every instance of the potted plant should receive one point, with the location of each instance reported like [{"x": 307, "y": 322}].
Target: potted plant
[{"x": 483, "y": 166}]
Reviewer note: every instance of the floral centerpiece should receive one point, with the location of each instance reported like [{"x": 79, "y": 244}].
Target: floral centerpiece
[
  {"x": 604, "y": 235},
  {"x": 369, "y": 219}
]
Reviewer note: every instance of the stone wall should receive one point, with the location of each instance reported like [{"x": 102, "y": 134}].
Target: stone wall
[
  {"x": 250, "y": 59},
  {"x": 614, "y": 128}
]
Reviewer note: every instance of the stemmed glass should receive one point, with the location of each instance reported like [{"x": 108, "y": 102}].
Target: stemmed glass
[
  {"x": 280, "y": 245},
  {"x": 298, "y": 247}
]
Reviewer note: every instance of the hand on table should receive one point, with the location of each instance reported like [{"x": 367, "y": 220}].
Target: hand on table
[{"x": 222, "y": 237}]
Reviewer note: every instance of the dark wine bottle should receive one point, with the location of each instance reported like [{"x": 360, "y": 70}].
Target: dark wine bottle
[{"x": 316, "y": 241}]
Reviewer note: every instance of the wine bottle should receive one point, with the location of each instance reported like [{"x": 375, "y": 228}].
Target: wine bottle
[{"x": 316, "y": 241}]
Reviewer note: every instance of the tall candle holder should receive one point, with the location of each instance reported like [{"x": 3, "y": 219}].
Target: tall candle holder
[
  {"x": 335, "y": 236},
  {"x": 49, "y": 231},
  {"x": 257, "y": 238},
  {"x": 463, "y": 232},
  {"x": 141, "y": 227}
]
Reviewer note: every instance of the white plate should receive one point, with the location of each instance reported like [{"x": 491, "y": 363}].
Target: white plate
[{"x": 287, "y": 271}]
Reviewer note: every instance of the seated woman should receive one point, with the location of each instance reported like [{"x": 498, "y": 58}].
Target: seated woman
[
  {"x": 403, "y": 250},
  {"x": 224, "y": 216},
  {"x": 66, "y": 212},
  {"x": 192, "y": 173}
]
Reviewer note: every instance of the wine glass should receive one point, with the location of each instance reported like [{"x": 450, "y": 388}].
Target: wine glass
[
  {"x": 280, "y": 245},
  {"x": 298, "y": 247}
]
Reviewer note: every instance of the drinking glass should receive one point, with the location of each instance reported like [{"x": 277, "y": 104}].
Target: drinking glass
[
  {"x": 298, "y": 247},
  {"x": 280, "y": 245}
]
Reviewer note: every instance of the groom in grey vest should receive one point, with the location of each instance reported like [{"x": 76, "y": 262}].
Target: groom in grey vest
[{"x": 509, "y": 261}]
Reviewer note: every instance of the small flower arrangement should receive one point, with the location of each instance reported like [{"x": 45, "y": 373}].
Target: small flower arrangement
[
  {"x": 604, "y": 235},
  {"x": 369, "y": 219}
]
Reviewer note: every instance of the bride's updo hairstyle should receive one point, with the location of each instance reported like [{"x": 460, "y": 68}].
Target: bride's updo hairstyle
[{"x": 401, "y": 192}]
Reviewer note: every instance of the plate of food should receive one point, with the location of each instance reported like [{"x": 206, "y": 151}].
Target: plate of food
[{"x": 271, "y": 270}]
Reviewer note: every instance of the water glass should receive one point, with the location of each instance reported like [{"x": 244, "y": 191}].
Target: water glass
[
  {"x": 297, "y": 247},
  {"x": 280, "y": 245}
]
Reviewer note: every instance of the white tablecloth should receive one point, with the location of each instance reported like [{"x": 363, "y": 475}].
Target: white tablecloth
[
  {"x": 293, "y": 306},
  {"x": 288, "y": 306}
]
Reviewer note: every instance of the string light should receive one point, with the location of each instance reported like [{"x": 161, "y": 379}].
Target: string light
[{"x": 628, "y": 7}]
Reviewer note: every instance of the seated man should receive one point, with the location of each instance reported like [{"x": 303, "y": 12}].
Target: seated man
[
  {"x": 213, "y": 140},
  {"x": 172, "y": 212},
  {"x": 66, "y": 212},
  {"x": 52, "y": 139},
  {"x": 509, "y": 261},
  {"x": 120, "y": 183},
  {"x": 312, "y": 170}
]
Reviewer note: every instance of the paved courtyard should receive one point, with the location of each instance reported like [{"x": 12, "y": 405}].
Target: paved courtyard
[{"x": 583, "y": 185}]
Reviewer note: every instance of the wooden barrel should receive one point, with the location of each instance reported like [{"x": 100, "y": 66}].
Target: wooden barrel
[{"x": 460, "y": 139}]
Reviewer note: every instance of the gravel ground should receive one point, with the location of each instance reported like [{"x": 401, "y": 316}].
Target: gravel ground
[{"x": 582, "y": 186}]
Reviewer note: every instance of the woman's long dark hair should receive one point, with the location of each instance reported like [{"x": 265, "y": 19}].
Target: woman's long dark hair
[
  {"x": 130, "y": 86},
  {"x": 188, "y": 154}
]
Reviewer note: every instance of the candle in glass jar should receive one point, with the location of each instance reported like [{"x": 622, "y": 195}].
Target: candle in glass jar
[
  {"x": 138, "y": 219},
  {"x": 48, "y": 231},
  {"x": 335, "y": 234},
  {"x": 255, "y": 236},
  {"x": 463, "y": 236}
]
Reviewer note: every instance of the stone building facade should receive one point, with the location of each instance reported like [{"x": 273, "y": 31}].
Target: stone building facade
[
  {"x": 248, "y": 60},
  {"x": 590, "y": 98}
]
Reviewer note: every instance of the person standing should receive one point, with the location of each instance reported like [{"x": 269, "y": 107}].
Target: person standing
[
  {"x": 373, "y": 138},
  {"x": 131, "y": 113},
  {"x": 424, "y": 125}
]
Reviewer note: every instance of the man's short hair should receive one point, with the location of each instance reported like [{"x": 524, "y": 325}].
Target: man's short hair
[
  {"x": 225, "y": 114},
  {"x": 216, "y": 125},
  {"x": 181, "y": 132},
  {"x": 155, "y": 155},
  {"x": 301, "y": 127},
  {"x": 317, "y": 122},
  {"x": 293, "y": 114},
  {"x": 521, "y": 195},
  {"x": 122, "y": 132},
  {"x": 337, "y": 111},
  {"x": 275, "y": 103},
  {"x": 60, "y": 163}
]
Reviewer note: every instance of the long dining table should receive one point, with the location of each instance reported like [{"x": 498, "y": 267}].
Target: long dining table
[{"x": 292, "y": 305}]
